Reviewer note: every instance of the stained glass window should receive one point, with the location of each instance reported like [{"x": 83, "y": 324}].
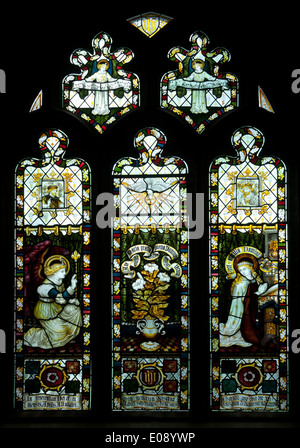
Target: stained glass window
[
  {"x": 103, "y": 91},
  {"x": 150, "y": 23},
  {"x": 150, "y": 280},
  {"x": 263, "y": 101},
  {"x": 248, "y": 278},
  {"x": 52, "y": 263},
  {"x": 37, "y": 103},
  {"x": 197, "y": 91}
]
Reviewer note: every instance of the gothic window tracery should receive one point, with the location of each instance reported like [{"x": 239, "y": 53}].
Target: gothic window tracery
[
  {"x": 197, "y": 91},
  {"x": 103, "y": 91}
]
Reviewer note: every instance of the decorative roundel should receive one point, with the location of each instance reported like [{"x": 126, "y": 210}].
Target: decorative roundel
[
  {"x": 52, "y": 377},
  {"x": 150, "y": 376},
  {"x": 249, "y": 376}
]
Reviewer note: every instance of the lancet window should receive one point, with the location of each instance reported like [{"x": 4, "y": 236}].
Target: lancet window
[
  {"x": 52, "y": 271},
  {"x": 248, "y": 278},
  {"x": 150, "y": 280}
]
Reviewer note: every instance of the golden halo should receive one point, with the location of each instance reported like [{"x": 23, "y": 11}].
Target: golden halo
[
  {"x": 55, "y": 263},
  {"x": 249, "y": 254},
  {"x": 103, "y": 61},
  {"x": 245, "y": 257},
  {"x": 198, "y": 61}
]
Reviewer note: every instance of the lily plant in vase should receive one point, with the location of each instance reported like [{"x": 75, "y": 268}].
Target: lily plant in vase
[{"x": 150, "y": 298}]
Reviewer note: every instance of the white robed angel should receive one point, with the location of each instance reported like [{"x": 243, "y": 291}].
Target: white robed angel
[
  {"x": 57, "y": 310},
  {"x": 230, "y": 332},
  {"x": 101, "y": 106},
  {"x": 199, "y": 95}
]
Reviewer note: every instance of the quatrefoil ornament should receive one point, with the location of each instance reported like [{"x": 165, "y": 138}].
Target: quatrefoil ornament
[{"x": 103, "y": 91}]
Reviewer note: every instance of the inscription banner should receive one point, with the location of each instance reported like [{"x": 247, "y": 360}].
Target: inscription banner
[
  {"x": 142, "y": 401},
  {"x": 249, "y": 402},
  {"x": 55, "y": 402}
]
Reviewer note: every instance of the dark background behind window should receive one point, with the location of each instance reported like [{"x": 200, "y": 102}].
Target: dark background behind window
[{"x": 35, "y": 49}]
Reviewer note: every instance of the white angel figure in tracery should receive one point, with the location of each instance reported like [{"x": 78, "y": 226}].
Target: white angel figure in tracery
[{"x": 101, "y": 76}]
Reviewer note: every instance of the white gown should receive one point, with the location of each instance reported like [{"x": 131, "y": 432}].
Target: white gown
[
  {"x": 199, "y": 96},
  {"x": 230, "y": 333},
  {"x": 101, "y": 106},
  {"x": 60, "y": 318}
]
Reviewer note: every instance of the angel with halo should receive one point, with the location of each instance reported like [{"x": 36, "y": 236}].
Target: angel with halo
[
  {"x": 57, "y": 310},
  {"x": 247, "y": 286}
]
